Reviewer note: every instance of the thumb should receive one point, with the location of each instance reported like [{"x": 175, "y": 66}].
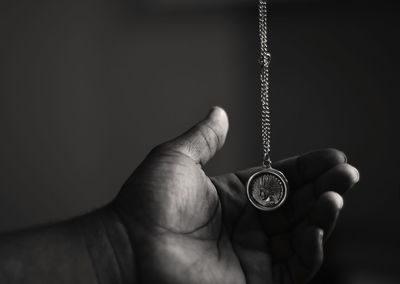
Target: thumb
[{"x": 203, "y": 140}]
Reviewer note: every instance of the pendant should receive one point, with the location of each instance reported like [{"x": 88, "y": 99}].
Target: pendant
[{"x": 267, "y": 189}]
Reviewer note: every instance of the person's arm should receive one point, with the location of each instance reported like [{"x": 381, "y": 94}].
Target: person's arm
[
  {"x": 94, "y": 248},
  {"x": 181, "y": 226}
]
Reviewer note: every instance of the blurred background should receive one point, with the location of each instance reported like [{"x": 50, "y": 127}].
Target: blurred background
[{"x": 88, "y": 87}]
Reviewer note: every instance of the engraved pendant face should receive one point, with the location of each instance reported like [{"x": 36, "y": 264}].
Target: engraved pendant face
[{"x": 267, "y": 189}]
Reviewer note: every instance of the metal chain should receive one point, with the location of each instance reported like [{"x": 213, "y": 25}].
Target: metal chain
[{"x": 265, "y": 59}]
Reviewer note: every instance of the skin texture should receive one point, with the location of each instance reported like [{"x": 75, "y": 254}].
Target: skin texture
[
  {"x": 186, "y": 227},
  {"x": 171, "y": 223}
]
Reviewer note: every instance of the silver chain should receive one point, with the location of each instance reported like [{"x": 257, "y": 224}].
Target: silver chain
[{"x": 265, "y": 59}]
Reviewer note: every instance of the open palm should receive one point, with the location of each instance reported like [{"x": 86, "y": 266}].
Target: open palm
[{"x": 188, "y": 228}]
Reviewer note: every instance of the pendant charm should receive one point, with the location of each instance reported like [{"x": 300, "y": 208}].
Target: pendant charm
[{"x": 267, "y": 189}]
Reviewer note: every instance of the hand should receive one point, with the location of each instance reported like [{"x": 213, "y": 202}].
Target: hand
[{"x": 186, "y": 227}]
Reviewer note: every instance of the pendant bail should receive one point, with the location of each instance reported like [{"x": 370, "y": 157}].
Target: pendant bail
[{"x": 267, "y": 161}]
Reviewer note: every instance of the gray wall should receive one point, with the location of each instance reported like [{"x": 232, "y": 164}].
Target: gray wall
[{"x": 89, "y": 87}]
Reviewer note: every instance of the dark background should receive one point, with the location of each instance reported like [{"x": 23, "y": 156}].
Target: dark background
[{"x": 88, "y": 87}]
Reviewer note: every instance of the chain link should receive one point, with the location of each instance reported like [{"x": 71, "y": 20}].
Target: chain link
[{"x": 265, "y": 59}]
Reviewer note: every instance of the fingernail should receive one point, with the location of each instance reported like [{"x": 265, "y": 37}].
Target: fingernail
[
  {"x": 215, "y": 111},
  {"x": 356, "y": 175},
  {"x": 218, "y": 116},
  {"x": 339, "y": 200}
]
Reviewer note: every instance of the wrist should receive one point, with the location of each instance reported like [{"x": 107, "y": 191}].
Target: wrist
[{"x": 109, "y": 245}]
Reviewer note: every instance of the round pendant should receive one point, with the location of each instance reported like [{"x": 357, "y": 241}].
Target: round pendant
[{"x": 267, "y": 189}]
